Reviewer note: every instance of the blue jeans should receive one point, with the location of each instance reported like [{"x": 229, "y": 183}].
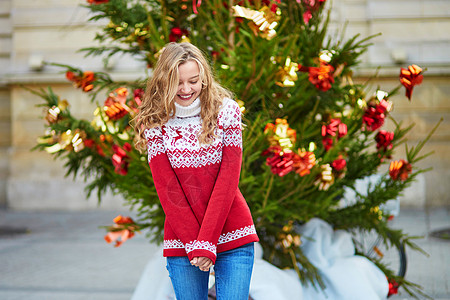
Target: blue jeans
[{"x": 233, "y": 271}]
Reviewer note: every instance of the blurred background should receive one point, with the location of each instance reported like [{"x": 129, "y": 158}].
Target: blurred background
[
  {"x": 64, "y": 255},
  {"x": 31, "y": 32}
]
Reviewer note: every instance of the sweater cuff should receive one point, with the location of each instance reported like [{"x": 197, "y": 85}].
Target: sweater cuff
[{"x": 201, "y": 249}]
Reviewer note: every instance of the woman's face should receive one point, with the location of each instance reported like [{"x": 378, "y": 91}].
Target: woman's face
[{"x": 190, "y": 85}]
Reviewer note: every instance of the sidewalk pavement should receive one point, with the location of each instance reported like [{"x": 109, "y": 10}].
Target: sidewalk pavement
[{"x": 63, "y": 256}]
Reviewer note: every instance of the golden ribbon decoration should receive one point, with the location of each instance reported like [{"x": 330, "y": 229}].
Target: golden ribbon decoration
[
  {"x": 263, "y": 20},
  {"x": 287, "y": 75}
]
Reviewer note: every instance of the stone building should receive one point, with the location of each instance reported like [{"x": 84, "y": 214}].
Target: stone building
[{"x": 412, "y": 31}]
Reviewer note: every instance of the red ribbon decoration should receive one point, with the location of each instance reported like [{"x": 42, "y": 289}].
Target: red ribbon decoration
[
  {"x": 400, "y": 170},
  {"x": 195, "y": 5},
  {"x": 410, "y": 77}
]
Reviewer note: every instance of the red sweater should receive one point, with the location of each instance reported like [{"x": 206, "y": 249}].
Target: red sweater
[{"x": 198, "y": 184}]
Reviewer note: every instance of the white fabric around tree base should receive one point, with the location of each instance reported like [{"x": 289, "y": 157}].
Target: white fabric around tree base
[{"x": 346, "y": 275}]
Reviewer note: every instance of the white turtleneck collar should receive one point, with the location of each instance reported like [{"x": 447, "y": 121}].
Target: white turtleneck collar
[{"x": 188, "y": 111}]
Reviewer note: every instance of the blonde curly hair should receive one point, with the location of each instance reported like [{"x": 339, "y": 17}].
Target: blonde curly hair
[{"x": 158, "y": 104}]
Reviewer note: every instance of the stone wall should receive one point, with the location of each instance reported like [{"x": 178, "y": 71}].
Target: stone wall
[
  {"x": 430, "y": 102},
  {"x": 5, "y": 108},
  {"x": 411, "y": 31},
  {"x": 50, "y": 30},
  {"x": 414, "y": 31}
]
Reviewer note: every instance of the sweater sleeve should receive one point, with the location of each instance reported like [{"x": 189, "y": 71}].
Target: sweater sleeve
[
  {"x": 226, "y": 185},
  {"x": 170, "y": 192}
]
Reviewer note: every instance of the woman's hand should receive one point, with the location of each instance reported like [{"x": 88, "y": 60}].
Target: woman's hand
[{"x": 203, "y": 263}]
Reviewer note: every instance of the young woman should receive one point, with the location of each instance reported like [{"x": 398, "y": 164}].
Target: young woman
[{"x": 192, "y": 132}]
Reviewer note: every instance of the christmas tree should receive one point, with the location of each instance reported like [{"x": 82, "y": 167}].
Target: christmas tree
[{"x": 310, "y": 132}]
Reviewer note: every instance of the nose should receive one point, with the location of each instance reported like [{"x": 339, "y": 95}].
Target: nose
[{"x": 185, "y": 87}]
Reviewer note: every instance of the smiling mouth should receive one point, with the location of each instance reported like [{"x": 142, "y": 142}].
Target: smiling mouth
[{"x": 185, "y": 97}]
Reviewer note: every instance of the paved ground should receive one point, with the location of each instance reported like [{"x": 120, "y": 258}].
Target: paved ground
[{"x": 63, "y": 256}]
